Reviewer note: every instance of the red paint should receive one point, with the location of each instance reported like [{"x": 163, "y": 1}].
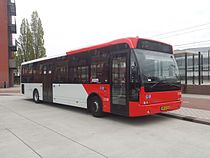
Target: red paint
[
  {"x": 137, "y": 109},
  {"x": 132, "y": 42},
  {"x": 159, "y": 97},
  {"x": 153, "y": 104},
  {"x": 103, "y": 90}
]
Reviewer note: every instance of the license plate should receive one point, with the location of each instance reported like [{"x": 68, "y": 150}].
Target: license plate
[{"x": 164, "y": 108}]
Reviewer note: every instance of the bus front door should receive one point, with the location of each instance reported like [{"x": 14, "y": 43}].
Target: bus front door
[
  {"x": 119, "y": 84},
  {"x": 47, "y": 83}
]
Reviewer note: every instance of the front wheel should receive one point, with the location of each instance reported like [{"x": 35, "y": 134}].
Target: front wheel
[
  {"x": 95, "y": 107},
  {"x": 36, "y": 96}
]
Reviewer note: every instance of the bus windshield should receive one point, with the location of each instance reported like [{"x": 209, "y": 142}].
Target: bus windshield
[{"x": 158, "y": 70}]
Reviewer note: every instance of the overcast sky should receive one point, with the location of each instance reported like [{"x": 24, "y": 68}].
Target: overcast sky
[{"x": 72, "y": 24}]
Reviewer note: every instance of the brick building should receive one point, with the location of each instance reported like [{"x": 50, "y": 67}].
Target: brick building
[{"x": 7, "y": 42}]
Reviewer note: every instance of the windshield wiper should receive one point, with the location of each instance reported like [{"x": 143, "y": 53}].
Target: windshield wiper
[
  {"x": 167, "y": 83},
  {"x": 172, "y": 84},
  {"x": 162, "y": 81}
]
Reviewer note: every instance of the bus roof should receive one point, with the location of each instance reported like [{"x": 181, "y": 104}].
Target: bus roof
[
  {"x": 131, "y": 41},
  {"x": 42, "y": 59}
]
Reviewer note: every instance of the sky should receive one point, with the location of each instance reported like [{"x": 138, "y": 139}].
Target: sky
[{"x": 74, "y": 24}]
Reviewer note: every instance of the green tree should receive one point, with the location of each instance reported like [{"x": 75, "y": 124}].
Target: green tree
[
  {"x": 31, "y": 40},
  {"x": 25, "y": 49},
  {"x": 38, "y": 35}
]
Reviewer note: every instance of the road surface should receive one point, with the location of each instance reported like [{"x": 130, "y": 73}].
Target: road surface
[{"x": 51, "y": 131}]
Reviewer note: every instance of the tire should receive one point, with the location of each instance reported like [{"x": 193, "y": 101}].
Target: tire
[
  {"x": 36, "y": 96},
  {"x": 95, "y": 107}
]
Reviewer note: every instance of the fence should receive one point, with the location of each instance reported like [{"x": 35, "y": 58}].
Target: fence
[{"x": 194, "y": 68}]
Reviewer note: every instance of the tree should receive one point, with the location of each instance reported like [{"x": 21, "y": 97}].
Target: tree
[
  {"x": 38, "y": 35},
  {"x": 31, "y": 40},
  {"x": 25, "y": 49}
]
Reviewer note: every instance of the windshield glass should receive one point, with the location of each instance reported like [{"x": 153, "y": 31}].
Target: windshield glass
[{"x": 157, "y": 69}]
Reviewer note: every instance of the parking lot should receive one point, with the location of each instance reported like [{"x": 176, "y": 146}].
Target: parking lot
[{"x": 50, "y": 130}]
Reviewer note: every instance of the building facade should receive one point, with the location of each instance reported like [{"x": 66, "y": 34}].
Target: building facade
[{"x": 7, "y": 42}]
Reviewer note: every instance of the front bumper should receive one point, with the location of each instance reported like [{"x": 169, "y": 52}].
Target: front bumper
[{"x": 137, "y": 109}]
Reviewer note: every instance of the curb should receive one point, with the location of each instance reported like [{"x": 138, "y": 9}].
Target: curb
[{"x": 186, "y": 118}]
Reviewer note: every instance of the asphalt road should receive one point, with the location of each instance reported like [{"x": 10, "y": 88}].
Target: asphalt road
[{"x": 30, "y": 130}]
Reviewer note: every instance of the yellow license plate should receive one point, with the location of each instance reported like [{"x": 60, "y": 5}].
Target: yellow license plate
[{"x": 164, "y": 108}]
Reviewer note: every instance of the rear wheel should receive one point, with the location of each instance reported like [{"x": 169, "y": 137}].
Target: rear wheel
[
  {"x": 36, "y": 96},
  {"x": 95, "y": 107}
]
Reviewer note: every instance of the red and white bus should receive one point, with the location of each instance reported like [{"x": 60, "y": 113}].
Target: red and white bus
[{"x": 130, "y": 77}]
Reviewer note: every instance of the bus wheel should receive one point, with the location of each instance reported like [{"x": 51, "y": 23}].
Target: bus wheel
[
  {"x": 95, "y": 107},
  {"x": 36, "y": 96}
]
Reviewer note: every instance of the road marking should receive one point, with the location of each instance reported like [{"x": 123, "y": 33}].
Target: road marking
[
  {"x": 54, "y": 131},
  {"x": 23, "y": 142}
]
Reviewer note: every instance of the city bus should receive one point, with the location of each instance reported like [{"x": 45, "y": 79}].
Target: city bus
[{"x": 130, "y": 77}]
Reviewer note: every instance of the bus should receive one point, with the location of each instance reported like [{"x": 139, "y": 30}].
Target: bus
[{"x": 130, "y": 77}]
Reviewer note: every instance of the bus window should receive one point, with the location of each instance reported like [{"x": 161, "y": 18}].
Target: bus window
[
  {"x": 79, "y": 69},
  {"x": 99, "y": 67},
  {"x": 82, "y": 74}
]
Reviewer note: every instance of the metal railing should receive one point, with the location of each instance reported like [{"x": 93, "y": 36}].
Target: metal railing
[{"x": 194, "y": 68}]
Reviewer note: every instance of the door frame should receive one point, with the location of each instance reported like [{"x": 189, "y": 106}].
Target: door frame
[{"x": 47, "y": 83}]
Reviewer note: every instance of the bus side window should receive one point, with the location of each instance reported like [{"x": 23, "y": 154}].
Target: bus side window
[
  {"x": 61, "y": 70},
  {"x": 36, "y": 73},
  {"x": 79, "y": 69},
  {"x": 99, "y": 67},
  {"x": 30, "y": 73}
]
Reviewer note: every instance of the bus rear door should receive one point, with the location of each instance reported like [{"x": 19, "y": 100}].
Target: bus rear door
[{"x": 47, "y": 83}]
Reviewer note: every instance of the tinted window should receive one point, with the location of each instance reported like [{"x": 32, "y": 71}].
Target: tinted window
[
  {"x": 61, "y": 70},
  {"x": 99, "y": 66},
  {"x": 79, "y": 68},
  {"x": 159, "y": 70},
  {"x": 27, "y": 73}
]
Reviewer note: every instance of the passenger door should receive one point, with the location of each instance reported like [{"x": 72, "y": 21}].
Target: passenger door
[
  {"x": 119, "y": 71},
  {"x": 47, "y": 83}
]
